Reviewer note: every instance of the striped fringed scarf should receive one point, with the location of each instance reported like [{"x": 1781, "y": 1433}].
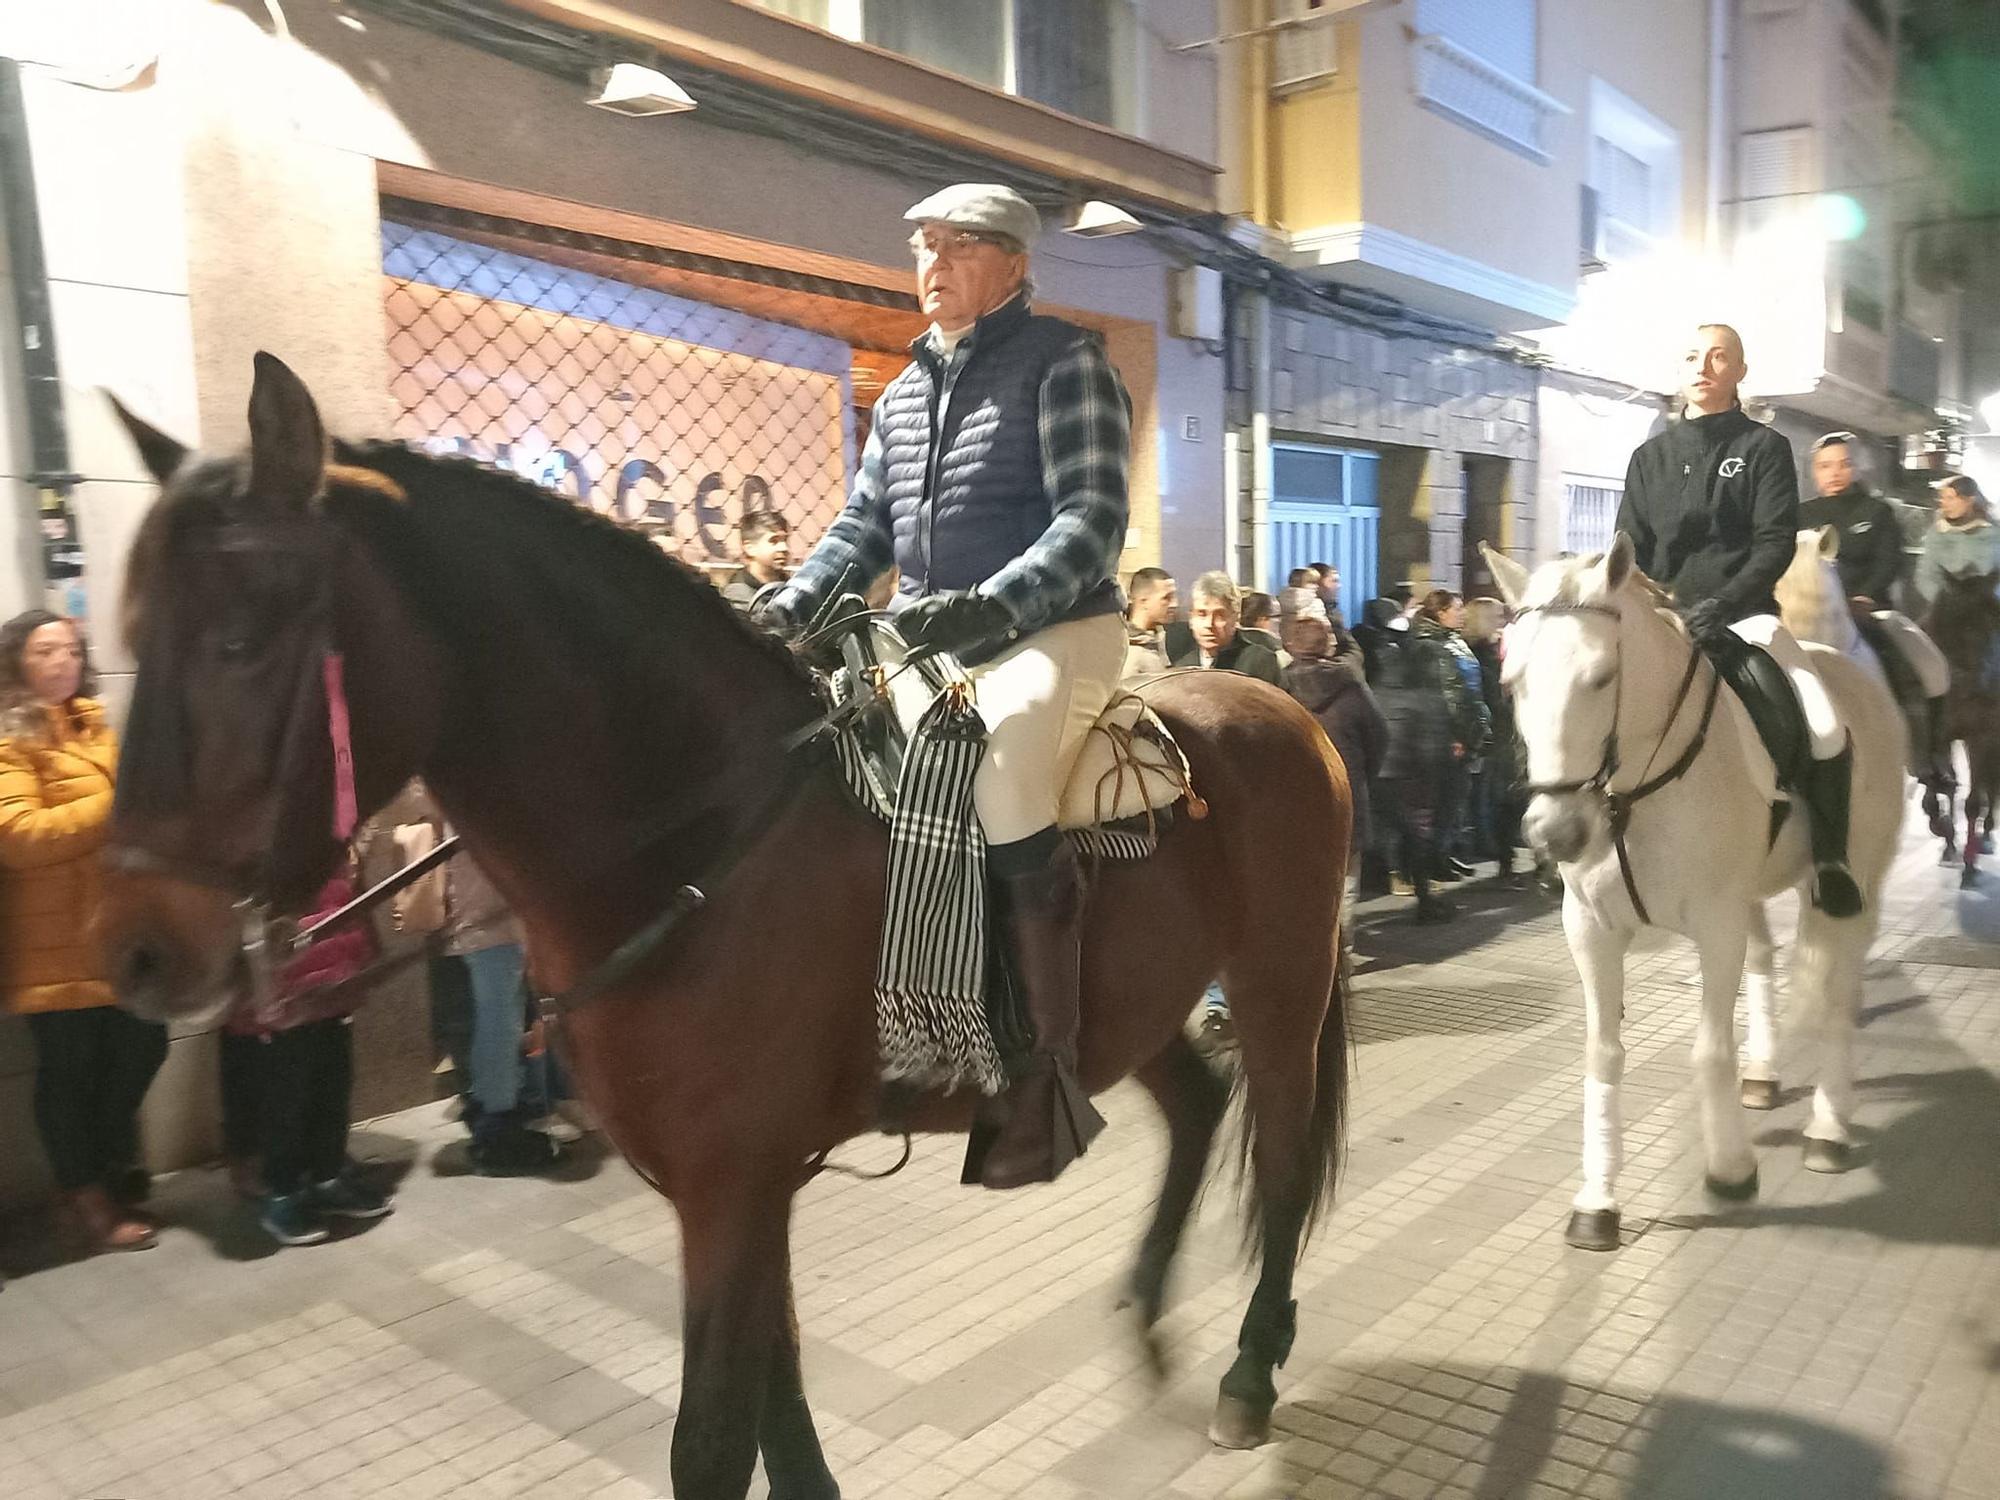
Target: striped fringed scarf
[{"x": 930, "y": 979}]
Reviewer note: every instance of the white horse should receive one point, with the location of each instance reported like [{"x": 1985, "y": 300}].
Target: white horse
[
  {"x": 1660, "y": 817},
  {"x": 1814, "y": 606}
]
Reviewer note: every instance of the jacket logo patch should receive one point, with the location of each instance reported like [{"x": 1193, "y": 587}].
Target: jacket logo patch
[{"x": 1731, "y": 467}]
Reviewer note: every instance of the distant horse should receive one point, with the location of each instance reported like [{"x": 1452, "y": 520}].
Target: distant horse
[
  {"x": 1964, "y": 620},
  {"x": 560, "y": 683},
  {"x": 1655, "y": 812},
  {"x": 1815, "y": 607}
]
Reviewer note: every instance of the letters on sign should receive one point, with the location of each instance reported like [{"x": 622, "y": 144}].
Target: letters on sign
[{"x": 637, "y": 492}]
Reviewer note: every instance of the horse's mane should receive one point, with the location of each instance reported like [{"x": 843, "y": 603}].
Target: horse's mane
[
  {"x": 633, "y": 584},
  {"x": 1564, "y": 585}
]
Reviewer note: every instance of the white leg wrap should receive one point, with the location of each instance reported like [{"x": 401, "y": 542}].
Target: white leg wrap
[
  {"x": 1760, "y": 1007},
  {"x": 1603, "y": 1147}
]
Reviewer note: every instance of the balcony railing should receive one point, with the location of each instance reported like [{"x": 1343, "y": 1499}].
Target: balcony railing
[{"x": 1463, "y": 86}]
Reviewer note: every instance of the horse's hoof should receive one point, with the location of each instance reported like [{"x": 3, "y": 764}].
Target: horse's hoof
[
  {"x": 1969, "y": 878},
  {"x": 1760, "y": 1093},
  {"x": 1592, "y": 1229},
  {"x": 1828, "y": 1156},
  {"x": 1732, "y": 1192},
  {"x": 1238, "y": 1424},
  {"x": 1950, "y": 855}
]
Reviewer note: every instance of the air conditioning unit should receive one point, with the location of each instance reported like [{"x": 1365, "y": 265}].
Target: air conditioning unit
[{"x": 1590, "y": 247}]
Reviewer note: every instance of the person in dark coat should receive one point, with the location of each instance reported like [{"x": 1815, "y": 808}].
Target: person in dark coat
[
  {"x": 1334, "y": 692},
  {"x": 1871, "y": 539},
  {"x": 767, "y": 550},
  {"x": 1870, "y": 563},
  {"x": 1711, "y": 508},
  {"x": 1412, "y": 780},
  {"x": 1259, "y": 623},
  {"x": 1498, "y": 800},
  {"x": 1215, "y": 616},
  {"x": 1372, "y": 635}
]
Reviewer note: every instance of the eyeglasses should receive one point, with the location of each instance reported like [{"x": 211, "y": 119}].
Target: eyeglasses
[{"x": 951, "y": 246}]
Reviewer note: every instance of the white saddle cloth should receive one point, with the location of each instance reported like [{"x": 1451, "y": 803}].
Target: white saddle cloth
[{"x": 1129, "y": 765}]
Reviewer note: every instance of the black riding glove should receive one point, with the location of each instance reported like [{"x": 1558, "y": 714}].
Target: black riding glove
[
  {"x": 954, "y": 621},
  {"x": 1708, "y": 624}
]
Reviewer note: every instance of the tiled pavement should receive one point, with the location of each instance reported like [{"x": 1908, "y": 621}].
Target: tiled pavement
[{"x": 1840, "y": 1338}]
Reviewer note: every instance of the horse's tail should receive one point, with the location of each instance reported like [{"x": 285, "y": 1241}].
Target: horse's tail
[
  {"x": 1329, "y": 1117},
  {"x": 1326, "y": 1130}
]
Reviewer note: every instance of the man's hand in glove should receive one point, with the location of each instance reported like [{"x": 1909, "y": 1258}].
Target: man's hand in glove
[
  {"x": 954, "y": 621},
  {"x": 1708, "y": 623}
]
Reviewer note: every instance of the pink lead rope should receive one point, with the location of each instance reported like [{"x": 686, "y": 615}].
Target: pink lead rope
[{"x": 346, "y": 812}]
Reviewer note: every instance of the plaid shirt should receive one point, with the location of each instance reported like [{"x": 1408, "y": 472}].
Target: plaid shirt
[{"x": 1084, "y": 419}]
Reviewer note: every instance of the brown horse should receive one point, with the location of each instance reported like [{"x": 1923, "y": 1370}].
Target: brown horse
[
  {"x": 1964, "y": 620},
  {"x": 559, "y": 682}
]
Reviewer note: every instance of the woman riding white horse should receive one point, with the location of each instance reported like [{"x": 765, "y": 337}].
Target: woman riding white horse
[{"x": 1657, "y": 803}]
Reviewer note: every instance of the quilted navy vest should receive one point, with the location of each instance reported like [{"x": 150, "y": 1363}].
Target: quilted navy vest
[{"x": 962, "y": 461}]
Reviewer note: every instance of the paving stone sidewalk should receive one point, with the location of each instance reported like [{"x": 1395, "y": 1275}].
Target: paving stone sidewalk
[{"x": 1838, "y": 1338}]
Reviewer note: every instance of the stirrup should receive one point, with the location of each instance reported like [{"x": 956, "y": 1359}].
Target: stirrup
[{"x": 1052, "y": 1122}]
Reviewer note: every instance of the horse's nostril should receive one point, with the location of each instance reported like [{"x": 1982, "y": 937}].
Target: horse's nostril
[{"x": 142, "y": 969}]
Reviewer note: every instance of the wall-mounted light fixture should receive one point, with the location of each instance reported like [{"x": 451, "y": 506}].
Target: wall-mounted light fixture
[
  {"x": 1097, "y": 218},
  {"x": 634, "y": 89}
]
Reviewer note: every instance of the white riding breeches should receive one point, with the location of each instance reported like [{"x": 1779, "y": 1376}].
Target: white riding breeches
[
  {"x": 1039, "y": 699},
  {"x": 1823, "y": 726}
]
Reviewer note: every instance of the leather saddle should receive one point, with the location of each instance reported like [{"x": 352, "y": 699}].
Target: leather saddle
[
  {"x": 1760, "y": 685},
  {"x": 1129, "y": 770}
]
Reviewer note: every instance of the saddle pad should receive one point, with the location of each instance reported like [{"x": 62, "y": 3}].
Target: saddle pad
[{"x": 1129, "y": 766}]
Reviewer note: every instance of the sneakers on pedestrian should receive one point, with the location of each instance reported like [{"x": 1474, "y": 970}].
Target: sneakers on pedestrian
[
  {"x": 513, "y": 1150},
  {"x": 288, "y": 1219},
  {"x": 1399, "y": 885},
  {"x": 345, "y": 1198}
]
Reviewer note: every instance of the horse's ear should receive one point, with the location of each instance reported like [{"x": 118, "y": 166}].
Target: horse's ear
[
  {"x": 160, "y": 453},
  {"x": 287, "y": 439},
  {"x": 1618, "y": 561},
  {"x": 1829, "y": 542},
  {"x": 1508, "y": 576}
]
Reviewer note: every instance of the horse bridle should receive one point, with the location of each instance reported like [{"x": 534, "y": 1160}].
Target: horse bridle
[
  {"x": 267, "y": 941},
  {"x": 1618, "y": 805}
]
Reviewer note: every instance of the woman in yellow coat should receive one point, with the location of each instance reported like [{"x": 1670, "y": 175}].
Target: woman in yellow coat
[{"x": 93, "y": 1062}]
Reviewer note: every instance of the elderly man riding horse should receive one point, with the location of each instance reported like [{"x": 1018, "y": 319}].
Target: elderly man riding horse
[
  {"x": 1712, "y": 508},
  {"x": 995, "y": 477}
]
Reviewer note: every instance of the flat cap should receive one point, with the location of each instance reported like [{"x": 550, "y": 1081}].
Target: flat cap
[{"x": 985, "y": 206}]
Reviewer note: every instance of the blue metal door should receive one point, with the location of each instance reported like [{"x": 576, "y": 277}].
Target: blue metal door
[{"x": 1324, "y": 509}]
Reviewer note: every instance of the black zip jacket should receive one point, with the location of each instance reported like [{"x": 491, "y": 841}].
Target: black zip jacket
[
  {"x": 1712, "y": 507},
  {"x": 1871, "y": 541}
]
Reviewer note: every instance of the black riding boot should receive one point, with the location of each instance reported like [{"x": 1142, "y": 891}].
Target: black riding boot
[
  {"x": 1827, "y": 787},
  {"x": 1050, "y": 1121}
]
